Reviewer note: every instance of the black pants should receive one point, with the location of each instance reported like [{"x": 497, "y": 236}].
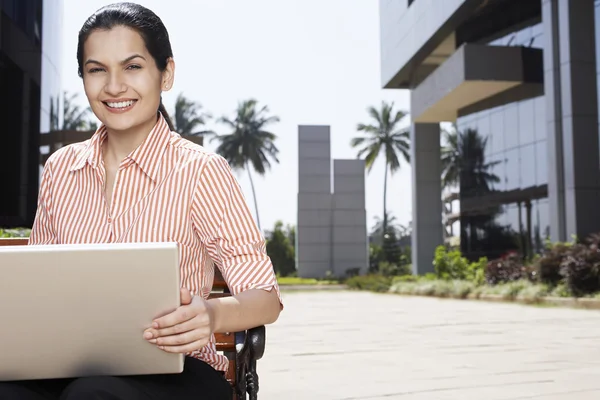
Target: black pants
[{"x": 198, "y": 381}]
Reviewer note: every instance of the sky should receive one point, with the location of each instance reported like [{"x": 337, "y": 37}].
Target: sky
[{"x": 312, "y": 62}]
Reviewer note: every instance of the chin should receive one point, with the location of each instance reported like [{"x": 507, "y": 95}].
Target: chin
[{"x": 119, "y": 123}]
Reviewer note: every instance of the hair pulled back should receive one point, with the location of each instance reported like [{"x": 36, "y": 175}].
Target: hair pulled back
[{"x": 142, "y": 20}]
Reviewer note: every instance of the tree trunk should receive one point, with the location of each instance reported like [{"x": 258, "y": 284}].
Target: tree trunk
[
  {"x": 254, "y": 196},
  {"x": 385, "y": 216}
]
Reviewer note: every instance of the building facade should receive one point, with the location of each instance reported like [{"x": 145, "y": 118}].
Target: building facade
[
  {"x": 518, "y": 81},
  {"x": 30, "y": 54},
  {"x": 331, "y": 231}
]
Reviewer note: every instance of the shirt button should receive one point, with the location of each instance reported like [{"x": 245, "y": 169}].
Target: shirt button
[{"x": 109, "y": 220}]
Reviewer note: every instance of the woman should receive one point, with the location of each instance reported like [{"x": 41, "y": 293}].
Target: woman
[{"x": 135, "y": 180}]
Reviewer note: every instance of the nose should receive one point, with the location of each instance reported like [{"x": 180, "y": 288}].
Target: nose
[{"x": 115, "y": 84}]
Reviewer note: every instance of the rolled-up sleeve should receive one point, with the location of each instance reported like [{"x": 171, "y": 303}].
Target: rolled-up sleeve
[
  {"x": 42, "y": 231},
  {"x": 225, "y": 225}
]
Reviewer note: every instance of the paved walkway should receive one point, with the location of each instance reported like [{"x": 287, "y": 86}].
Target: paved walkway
[{"x": 356, "y": 345}]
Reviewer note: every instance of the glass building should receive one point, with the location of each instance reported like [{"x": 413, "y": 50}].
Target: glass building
[
  {"x": 518, "y": 80},
  {"x": 30, "y": 55}
]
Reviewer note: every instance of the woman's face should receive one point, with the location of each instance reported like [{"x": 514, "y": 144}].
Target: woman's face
[{"x": 121, "y": 80}]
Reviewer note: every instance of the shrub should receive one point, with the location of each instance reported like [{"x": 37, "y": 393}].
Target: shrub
[
  {"x": 441, "y": 288},
  {"x": 15, "y": 233},
  {"x": 581, "y": 269},
  {"x": 393, "y": 269},
  {"x": 547, "y": 267},
  {"x": 450, "y": 265},
  {"x": 374, "y": 283},
  {"x": 507, "y": 269}
]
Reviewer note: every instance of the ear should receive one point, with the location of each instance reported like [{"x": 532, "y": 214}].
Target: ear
[{"x": 168, "y": 75}]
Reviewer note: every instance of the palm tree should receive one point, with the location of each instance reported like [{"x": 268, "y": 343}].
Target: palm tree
[
  {"x": 74, "y": 116},
  {"x": 249, "y": 142},
  {"x": 189, "y": 116},
  {"x": 385, "y": 136},
  {"x": 392, "y": 226},
  {"x": 464, "y": 164}
]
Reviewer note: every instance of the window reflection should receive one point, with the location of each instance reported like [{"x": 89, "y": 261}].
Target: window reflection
[
  {"x": 526, "y": 122},
  {"x": 527, "y": 166},
  {"x": 541, "y": 163},
  {"x": 513, "y": 170},
  {"x": 497, "y": 129},
  {"x": 511, "y": 127},
  {"x": 516, "y": 157},
  {"x": 540, "y": 122}
]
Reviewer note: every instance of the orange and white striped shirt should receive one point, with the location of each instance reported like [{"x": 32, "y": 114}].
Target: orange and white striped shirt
[{"x": 168, "y": 189}]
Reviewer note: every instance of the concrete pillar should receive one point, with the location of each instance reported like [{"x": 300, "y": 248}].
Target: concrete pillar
[
  {"x": 573, "y": 97},
  {"x": 350, "y": 243},
  {"x": 552, "y": 90},
  {"x": 313, "y": 229},
  {"x": 427, "y": 228}
]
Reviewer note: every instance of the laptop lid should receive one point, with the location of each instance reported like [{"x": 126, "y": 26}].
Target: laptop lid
[{"x": 80, "y": 310}]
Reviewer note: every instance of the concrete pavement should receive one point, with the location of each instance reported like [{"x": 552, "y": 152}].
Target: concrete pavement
[{"x": 339, "y": 345}]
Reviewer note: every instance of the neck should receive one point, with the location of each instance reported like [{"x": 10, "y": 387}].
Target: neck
[{"x": 119, "y": 144}]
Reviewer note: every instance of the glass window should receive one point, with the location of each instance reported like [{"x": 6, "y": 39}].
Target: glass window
[
  {"x": 500, "y": 218},
  {"x": 483, "y": 127},
  {"x": 526, "y": 122},
  {"x": 512, "y": 217},
  {"x": 541, "y": 125},
  {"x": 499, "y": 170},
  {"x": 25, "y": 13},
  {"x": 541, "y": 219},
  {"x": 541, "y": 162},
  {"x": 497, "y": 129},
  {"x": 511, "y": 127},
  {"x": 528, "y": 37},
  {"x": 528, "y": 166},
  {"x": 512, "y": 169}
]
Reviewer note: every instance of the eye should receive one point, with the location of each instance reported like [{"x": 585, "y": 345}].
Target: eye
[
  {"x": 133, "y": 66},
  {"x": 94, "y": 70}
]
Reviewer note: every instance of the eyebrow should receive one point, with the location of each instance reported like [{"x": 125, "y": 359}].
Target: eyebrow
[{"x": 134, "y": 56}]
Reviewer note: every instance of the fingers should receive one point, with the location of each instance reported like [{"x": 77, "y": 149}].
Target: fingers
[
  {"x": 183, "y": 338},
  {"x": 176, "y": 329},
  {"x": 186, "y": 329},
  {"x": 187, "y": 348},
  {"x": 182, "y": 314},
  {"x": 186, "y": 296}
]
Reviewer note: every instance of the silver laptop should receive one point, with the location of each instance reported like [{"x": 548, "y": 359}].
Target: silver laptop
[{"x": 80, "y": 310}]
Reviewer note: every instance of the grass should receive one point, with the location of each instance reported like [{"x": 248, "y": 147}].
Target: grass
[{"x": 294, "y": 280}]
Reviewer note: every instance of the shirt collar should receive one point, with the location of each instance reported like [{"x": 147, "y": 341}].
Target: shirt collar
[{"x": 147, "y": 155}]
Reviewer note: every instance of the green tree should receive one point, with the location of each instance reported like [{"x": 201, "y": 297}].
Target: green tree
[
  {"x": 249, "y": 143},
  {"x": 189, "y": 117},
  {"x": 392, "y": 225},
  {"x": 281, "y": 251},
  {"x": 74, "y": 117},
  {"x": 291, "y": 235},
  {"x": 464, "y": 163},
  {"x": 384, "y": 136}
]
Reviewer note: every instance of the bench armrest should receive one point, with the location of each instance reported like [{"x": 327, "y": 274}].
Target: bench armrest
[
  {"x": 250, "y": 347},
  {"x": 256, "y": 338}
]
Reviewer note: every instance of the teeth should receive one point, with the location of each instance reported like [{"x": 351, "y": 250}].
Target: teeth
[{"x": 120, "y": 104}]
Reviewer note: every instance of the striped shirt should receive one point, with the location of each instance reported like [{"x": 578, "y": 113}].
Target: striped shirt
[{"x": 168, "y": 189}]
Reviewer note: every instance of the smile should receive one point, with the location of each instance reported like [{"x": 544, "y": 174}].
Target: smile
[{"x": 119, "y": 106}]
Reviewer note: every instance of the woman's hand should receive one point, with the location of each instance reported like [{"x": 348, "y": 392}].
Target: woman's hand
[{"x": 186, "y": 329}]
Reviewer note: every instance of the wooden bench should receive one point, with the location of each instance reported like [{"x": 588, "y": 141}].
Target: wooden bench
[{"x": 242, "y": 349}]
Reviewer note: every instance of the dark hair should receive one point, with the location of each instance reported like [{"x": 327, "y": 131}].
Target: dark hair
[{"x": 139, "y": 18}]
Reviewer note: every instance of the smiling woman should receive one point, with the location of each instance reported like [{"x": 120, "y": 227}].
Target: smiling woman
[{"x": 136, "y": 180}]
